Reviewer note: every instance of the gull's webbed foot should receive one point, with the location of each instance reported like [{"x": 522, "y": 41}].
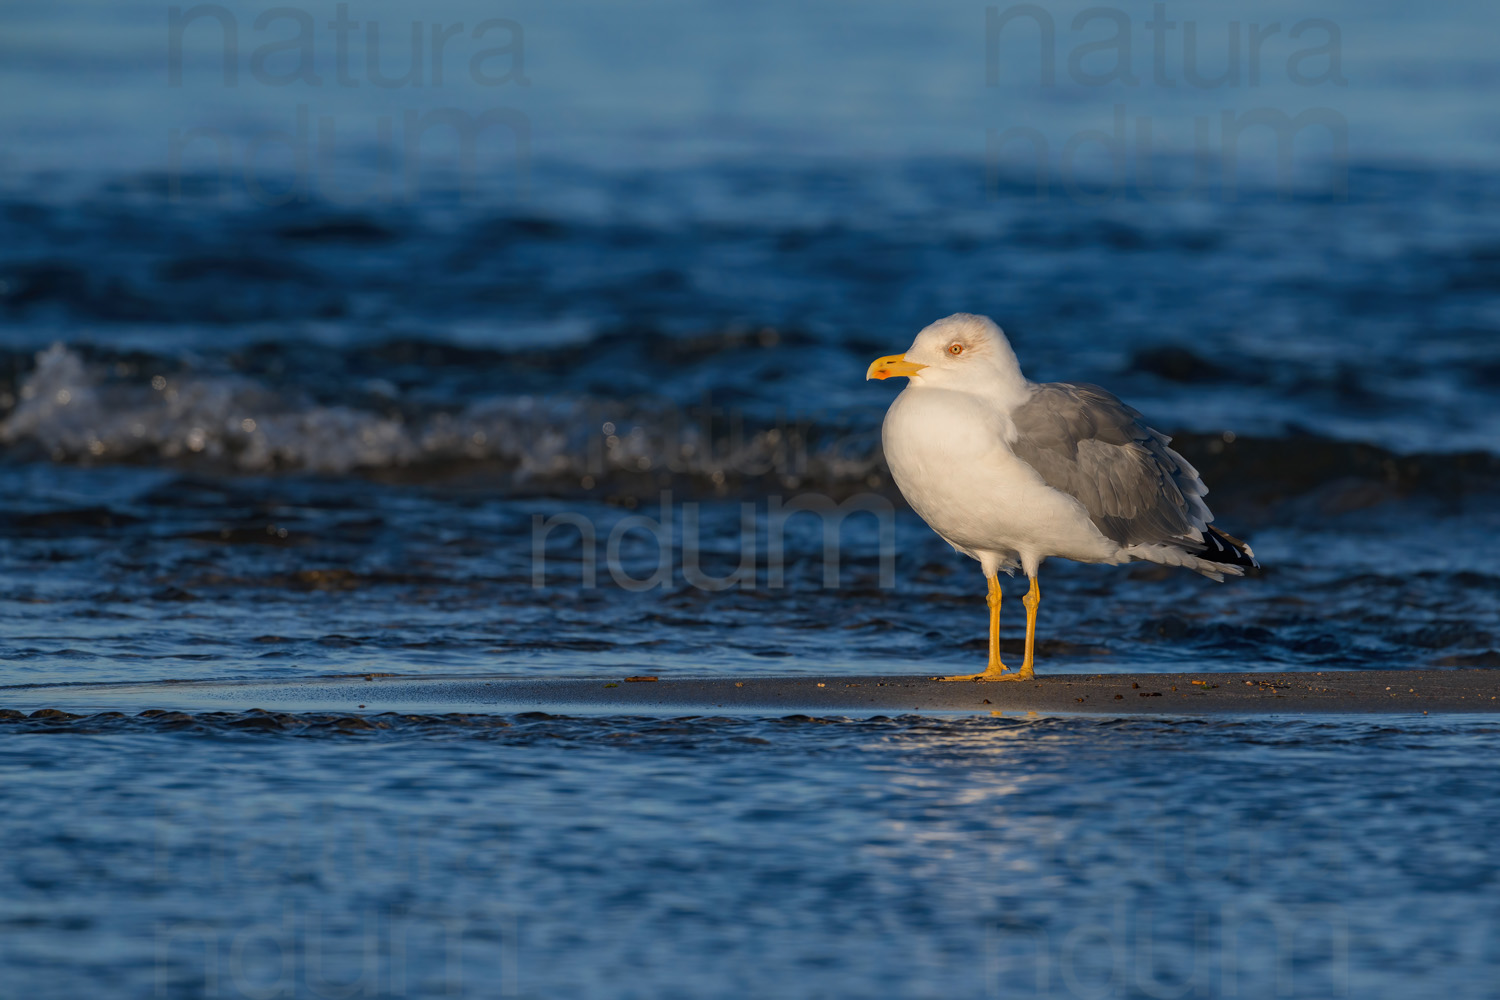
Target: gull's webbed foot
[{"x": 1004, "y": 673}]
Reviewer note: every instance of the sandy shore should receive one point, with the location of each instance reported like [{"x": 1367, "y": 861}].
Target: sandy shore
[{"x": 1364, "y": 691}]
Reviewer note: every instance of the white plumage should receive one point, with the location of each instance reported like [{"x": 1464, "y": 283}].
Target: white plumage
[{"x": 1010, "y": 472}]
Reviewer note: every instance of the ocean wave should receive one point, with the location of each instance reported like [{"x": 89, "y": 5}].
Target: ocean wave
[{"x": 70, "y": 410}]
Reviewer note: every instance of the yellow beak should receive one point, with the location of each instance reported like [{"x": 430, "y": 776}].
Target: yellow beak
[{"x": 892, "y": 364}]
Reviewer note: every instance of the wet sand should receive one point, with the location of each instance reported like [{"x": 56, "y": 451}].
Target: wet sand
[{"x": 1295, "y": 693}]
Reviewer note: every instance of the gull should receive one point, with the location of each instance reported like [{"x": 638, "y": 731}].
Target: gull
[{"x": 1010, "y": 472}]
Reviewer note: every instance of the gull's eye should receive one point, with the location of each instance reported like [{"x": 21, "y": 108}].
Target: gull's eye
[{"x": 956, "y": 349}]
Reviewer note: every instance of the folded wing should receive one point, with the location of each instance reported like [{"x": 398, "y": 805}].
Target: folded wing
[{"x": 1084, "y": 442}]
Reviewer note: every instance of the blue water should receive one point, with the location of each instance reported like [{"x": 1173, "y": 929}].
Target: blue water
[
  {"x": 269, "y": 417},
  {"x": 807, "y": 857}
]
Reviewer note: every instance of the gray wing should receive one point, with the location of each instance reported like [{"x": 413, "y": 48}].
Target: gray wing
[{"x": 1084, "y": 442}]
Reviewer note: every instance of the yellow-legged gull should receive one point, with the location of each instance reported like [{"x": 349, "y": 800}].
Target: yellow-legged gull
[{"x": 1010, "y": 471}]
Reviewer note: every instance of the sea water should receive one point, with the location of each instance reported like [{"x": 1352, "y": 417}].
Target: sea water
[{"x": 599, "y": 426}]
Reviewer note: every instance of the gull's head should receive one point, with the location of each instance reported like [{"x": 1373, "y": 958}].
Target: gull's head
[{"x": 959, "y": 351}]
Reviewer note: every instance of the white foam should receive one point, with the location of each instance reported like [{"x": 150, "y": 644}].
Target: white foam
[{"x": 74, "y": 411}]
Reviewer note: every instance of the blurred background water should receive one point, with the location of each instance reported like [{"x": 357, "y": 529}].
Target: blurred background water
[{"x": 301, "y": 334}]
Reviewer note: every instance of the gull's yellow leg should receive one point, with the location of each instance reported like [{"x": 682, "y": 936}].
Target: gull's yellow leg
[
  {"x": 1032, "y": 600},
  {"x": 995, "y": 670},
  {"x": 993, "y": 600}
]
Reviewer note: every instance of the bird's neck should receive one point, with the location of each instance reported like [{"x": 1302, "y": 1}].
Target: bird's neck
[{"x": 1002, "y": 385}]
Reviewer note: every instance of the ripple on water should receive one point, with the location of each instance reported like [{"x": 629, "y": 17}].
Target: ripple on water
[{"x": 883, "y": 856}]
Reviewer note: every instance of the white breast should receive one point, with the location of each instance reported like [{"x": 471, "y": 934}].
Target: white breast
[{"x": 949, "y": 455}]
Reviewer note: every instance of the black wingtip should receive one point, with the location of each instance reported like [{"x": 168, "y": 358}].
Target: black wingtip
[{"x": 1224, "y": 548}]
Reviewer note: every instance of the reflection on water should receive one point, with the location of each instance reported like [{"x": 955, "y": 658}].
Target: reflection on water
[{"x": 540, "y": 855}]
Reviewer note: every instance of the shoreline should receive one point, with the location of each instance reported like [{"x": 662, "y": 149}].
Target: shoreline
[{"x": 1285, "y": 693}]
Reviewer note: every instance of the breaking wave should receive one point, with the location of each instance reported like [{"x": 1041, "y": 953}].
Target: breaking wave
[{"x": 72, "y": 411}]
